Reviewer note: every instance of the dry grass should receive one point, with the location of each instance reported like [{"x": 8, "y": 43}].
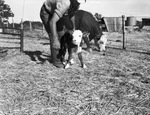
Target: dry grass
[{"x": 115, "y": 84}]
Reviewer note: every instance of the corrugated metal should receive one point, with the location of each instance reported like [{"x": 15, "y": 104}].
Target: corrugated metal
[
  {"x": 113, "y": 24},
  {"x": 146, "y": 21}
]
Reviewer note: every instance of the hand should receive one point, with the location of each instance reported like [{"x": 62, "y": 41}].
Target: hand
[{"x": 56, "y": 44}]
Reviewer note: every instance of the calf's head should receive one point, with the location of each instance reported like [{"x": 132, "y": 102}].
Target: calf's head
[
  {"x": 77, "y": 37},
  {"x": 72, "y": 39}
]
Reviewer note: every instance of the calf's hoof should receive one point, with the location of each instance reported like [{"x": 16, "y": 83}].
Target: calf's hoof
[
  {"x": 104, "y": 54},
  {"x": 64, "y": 63},
  {"x": 59, "y": 65},
  {"x": 84, "y": 66},
  {"x": 67, "y": 65},
  {"x": 71, "y": 61}
]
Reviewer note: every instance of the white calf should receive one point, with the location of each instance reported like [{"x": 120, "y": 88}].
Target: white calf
[{"x": 72, "y": 42}]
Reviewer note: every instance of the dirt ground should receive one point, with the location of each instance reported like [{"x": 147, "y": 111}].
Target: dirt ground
[{"x": 115, "y": 84}]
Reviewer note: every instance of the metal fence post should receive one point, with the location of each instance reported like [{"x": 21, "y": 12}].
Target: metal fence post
[
  {"x": 123, "y": 31},
  {"x": 21, "y": 38}
]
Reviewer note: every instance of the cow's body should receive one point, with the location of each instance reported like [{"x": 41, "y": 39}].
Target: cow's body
[
  {"x": 86, "y": 22},
  {"x": 71, "y": 41}
]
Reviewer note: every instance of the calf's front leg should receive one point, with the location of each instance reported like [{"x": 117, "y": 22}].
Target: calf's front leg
[
  {"x": 70, "y": 58},
  {"x": 81, "y": 60}
]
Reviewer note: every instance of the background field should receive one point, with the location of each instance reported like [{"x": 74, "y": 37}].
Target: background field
[{"x": 115, "y": 84}]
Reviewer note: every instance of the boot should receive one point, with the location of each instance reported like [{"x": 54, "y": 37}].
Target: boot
[
  {"x": 56, "y": 59},
  {"x": 55, "y": 56}
]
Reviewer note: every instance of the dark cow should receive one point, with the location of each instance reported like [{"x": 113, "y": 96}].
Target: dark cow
[
  {"x": 86, "y": 22},
  {"x": 72, "y": 42}
]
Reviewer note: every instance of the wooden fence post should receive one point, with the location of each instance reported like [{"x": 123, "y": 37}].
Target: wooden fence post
[
  {"x": 30, "y": 25},
  {"x": 123, "y": 31},
  {"x": 13, "y": 25}
]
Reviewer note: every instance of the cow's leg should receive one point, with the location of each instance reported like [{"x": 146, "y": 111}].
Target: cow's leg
[
  {"x": 70, "y": 54},
  {"x": 70, "y": 58},
  {"x": 62, "y": 55},
  {"x": 81, "y": 60},
  {"x": 79, "y": 51},
  {"x": 96, "y": 43},
  {"x": 87, "y": 42}
]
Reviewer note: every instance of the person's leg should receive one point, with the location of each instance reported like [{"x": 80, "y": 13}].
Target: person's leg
[
  {"x": 55, "y": 52},
  {"x": 46, "y": 17},
  {"x": 63, "y": 25}
]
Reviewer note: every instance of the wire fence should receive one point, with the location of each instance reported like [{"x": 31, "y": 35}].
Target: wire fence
[
  {"x": 15, "y": 33},
  {"x": 132, "y": 33}
]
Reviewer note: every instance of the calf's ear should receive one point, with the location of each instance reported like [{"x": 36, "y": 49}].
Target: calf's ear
[{"x": 68, "y": 35}]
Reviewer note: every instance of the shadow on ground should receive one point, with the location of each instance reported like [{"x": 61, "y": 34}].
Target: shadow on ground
[{"x": 38, "y": 56}]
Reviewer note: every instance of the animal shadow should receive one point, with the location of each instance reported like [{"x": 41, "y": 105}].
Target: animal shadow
[
  {"x": 90, "y": 51},
  {"x": 38, "y": 56}
]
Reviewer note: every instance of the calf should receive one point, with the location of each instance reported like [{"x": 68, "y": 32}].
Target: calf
[
  {"x": 86, "y": 22},
  {"x": 72, "y": 42}
]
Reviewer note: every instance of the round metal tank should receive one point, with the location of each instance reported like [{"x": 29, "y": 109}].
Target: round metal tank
[{"x": 131, "y": 21}]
